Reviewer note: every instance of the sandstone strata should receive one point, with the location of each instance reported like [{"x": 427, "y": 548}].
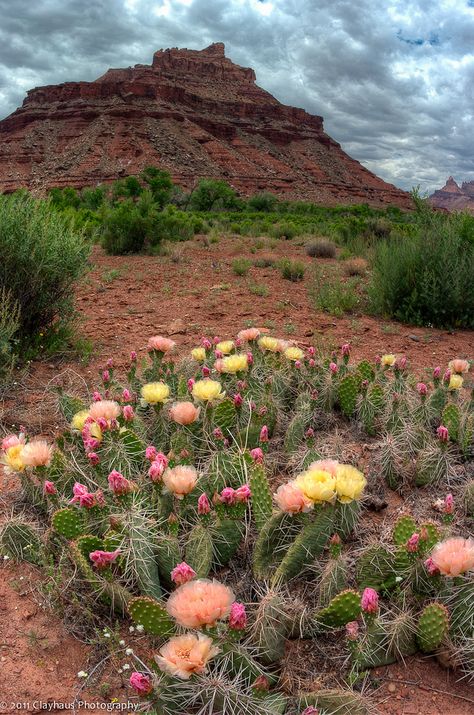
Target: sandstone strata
[
  {"x": 194, "y": 113},
  {"x": 454, "y": 197}
]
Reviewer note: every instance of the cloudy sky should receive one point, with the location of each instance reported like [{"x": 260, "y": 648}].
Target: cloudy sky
[{"x": 394, "y": 80}]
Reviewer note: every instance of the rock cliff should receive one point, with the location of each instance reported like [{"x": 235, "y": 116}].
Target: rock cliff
[
  {"x": 194, "y": 113},
  {"x": 454, "y": 197}
]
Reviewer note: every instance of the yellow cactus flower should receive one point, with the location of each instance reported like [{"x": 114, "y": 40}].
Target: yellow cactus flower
[
  {"x": 225, "y": 347},
  {"x": 155, "y": 393},
  {"x": 388, "y": 360},
  {"x": 294, "y": 353},
  {"x": 317, "y": 485},
  {"x": 199, "y": 354},
  {"x": 12, "y": 458},
  {"x": 208, "y": 390},
  {"x": 455, "y": 382},
  {"x": 268, "y": 343},
  {"x": 350, "y": 483},
  {"x": 79, "y": 419},
  {"x": 235, "y": 363}
]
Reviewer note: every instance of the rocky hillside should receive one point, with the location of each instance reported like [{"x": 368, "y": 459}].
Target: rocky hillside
[
  {"x": 454, "y": 197},
  {"x": 195, "y": 113}
]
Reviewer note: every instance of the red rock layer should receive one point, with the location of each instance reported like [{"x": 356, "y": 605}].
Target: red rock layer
[
  {"x": 194, "y": 113},
  {"x": 453, "y": 197}
]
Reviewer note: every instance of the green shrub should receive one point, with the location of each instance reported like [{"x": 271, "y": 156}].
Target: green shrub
[
  {"x": 292, "y": 270},
  {"x": 124, "y": 229},
  {"x": 321, "y": 249},
  {"x": 41, "y": 258},
  {"x": 160, "y": 184},
  {"x": 259, "y": 289},
  {"x": 426, "y": 279},
  {"x": 241, "y": 266},
  {"x": 172, "y": 225},
  {"x": 262, "y": 202},
  {"x": 212, "y": 194},
  {"x": 9, "y": 325},
  {"x": 284, "y": 231},
  {"x": 331, "y": 295}
]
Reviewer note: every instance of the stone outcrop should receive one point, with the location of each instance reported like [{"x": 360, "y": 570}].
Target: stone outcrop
[
  {"x": 194, "y": 113},
  {"x": 453, "y": 197}
]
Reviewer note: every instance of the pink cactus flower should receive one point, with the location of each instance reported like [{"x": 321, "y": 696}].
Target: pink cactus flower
[
  {"x": 49, "y": 488},
  {"x": 311, "y": 351},
  {"x": 204, "y": 506},
  {"x": 238, "y": 399},
  {"x": 257, "y": 455},
  {"x": 437, "y": 373},
  {"x": 298, "y": 364},
  {"x": 119, "y": 484},
  {"x": 150, "y": 453},
  {"x": 346, "y": 349},
  {"x": 128, "y": 413},
  {"x": 413, "y": 543},
  {"x": 249, "y": 358},
  {"x": 206, "y": 343},
  {"x": 261, "y": 684},
  {"x": 335, "y": 540},
  {"x": 191, "y": 384},
  {"x": 105, "y": 376},
  {"x": 370, "y": 601},
  {"x": 243, "y": 494},
  {"x": 133, "y": 356},
  {"x": 237, "y": 617},
  {"x": 264, "y": 434},
  {"x": 401, "y": 363},
  {"x": 309, "y": 434},
  {"x": 449, "y": 504},
  {"x": 431, "y": 567},
  {"x": 141, "y": 683},
  {"x": 311, "y": 362},
  {"x": 93, "y": 458},
  {"x": 12, "y": 441},
  {"x": 352, "y": 630},
  {"x": 216, "y": 339},
  {"x": 182, "y": 573},
  {"x": 459, "y": 366},
  {"x": 333, "y": 367},
  {"x": 206, "y": 371},
  {"x": 443, "y": 434},
  {"x": 126, "y": 395},
  {"x": 157, "y": 467},
  {"x": 96, "y": 396},
  {"x": 422, "y": 389},
  {"x": 227, "y": 496},
  {"x": 160, "y": 344},
  {"x": 102, "y": 559}
]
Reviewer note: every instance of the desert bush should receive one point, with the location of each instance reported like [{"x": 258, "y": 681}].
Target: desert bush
[
  {"x": 9, "y": 325},
  {"x": 241, "y": 266},
  {"x": 284, "y": 230},
  {"x": 124, "y": 229},
  {"x": 161, "y": 187},
  {"x": 262, "y": 202},
  {"x": 41, "y": 259},
  {"x": 321, "y": 249},
  {"x": 426, "y": 279},
  {"x": 211, "y": 194},
  {"x": 355, "y": 267},
  {"x": 292, "y": 270},
  {"x": 172, "y": 225},
  {"x": 330, "y": 294},
  {"x": 264, "y": 262}
]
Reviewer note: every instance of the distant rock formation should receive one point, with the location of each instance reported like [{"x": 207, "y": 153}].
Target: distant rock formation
[
  {"x": 194, "y": 113},
  {"x": 454, "y": 197}
]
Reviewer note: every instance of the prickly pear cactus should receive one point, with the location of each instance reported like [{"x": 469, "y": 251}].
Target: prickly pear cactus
[
  {"x": 403, "y": 529},
  {"x": 224, "y": 416},
  {"x": 270, "y": 628},
  {"x": 261, "y": 502},
  {"x": 347, "y": 395},
  {"x": 227, "y": 535},
  {"x": 333, "y": 579},
  {"x": 68, "y": 522},
  {"x": 432, "y": 626},
  {"x": 152, "y": 616},
  {"x": 299, "y": 424},
  {"x": 69, "y": 405},
  {"x": 342, "y": 609},
  {"x": 334, "y": 702},
  {"x": 227, "y": 469},
  {"x": 89, "y": 543},
  {"x": 199, "y": 551},
  {"x": 273, "y": 541},
  {"x": 451, "y": 419},
  {"x": 374, "y": 568},
  {"x": 469, "y": 498},
  {"x": 168, "y": 555}
]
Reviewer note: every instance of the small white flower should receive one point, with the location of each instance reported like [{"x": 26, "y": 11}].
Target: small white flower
[
  {"x": 131, "y": 629},
  {"x": 140, "y": 628},
  {"x": 106, "y": 634},
  {"x": 82, "y": 674},
  {"x": 6, "y": 558},
  {"x": 122, "y": 643},
  {"x": 126, "y": 666},
  {"x": 398, "y": 579},
  {"x": 129, "y": 651},
  {"x": 120, "y": 670}
]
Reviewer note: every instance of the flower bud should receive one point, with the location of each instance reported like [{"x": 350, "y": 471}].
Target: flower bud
[
  {"x": 128, "y": 413},
  {"x": 413, "y": 543},
  {"x": 141, "y": 683},
  {"x": 264, "y": 434},
  {"x": 257, "y": 455},
  {"x": 333, "y": 367},
  {"x": 422, "y": 389},
  {"x": 204, "y": 506},
  {"x": 49, "y": 488},
  {"x": 182, "y": 573},
  {"x": 237, "y": 617},
  {"x": 370, "y": 601},
  {"x": 443, "y": 434},
  {"x": 352, "y": 630}
]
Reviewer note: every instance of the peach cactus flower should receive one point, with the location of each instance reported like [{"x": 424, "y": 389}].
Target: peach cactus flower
[
  {"x": 200, "y": 603},
  {"x": 180, "y": 480},
  {"x": 454, "y": 556},
  {"x": 248, "y": 334},
  {"x": 182, "y": 656},
  {"x": 12, "y": 440},
  {"x": 459, "y": 366},
  {"x": 290, "y": 498},
  {"x": 37, "y": 453},
  {"x": 327, "y": 465},
  {"x": 104, "y": 409},
  {"x": 184, "y": 413},
  {"x": 160, "y": 343}
]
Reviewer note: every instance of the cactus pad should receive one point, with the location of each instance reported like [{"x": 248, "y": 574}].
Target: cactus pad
[
  {"x": 432, "y": 627},
  {"x": 261, "y": 496},
  {"x": 224, "y": 416},
  {"x": 451, "y": 418},
  {"x": 347, "y": 395},
  {"x": 199, "y": 551},
  {"x": 88, "y": 543},
  {"x": 68, "y": 522},
  {"x": 403, "y": 529},
  {"x": 152, "y": 616},
  {"x": 374, "y": 568},
  {"x": 343, "y": 608}
]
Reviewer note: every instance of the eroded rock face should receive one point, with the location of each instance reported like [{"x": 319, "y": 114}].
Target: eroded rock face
[
  {"x": 194, "y": 113},
  {"x": 453, "y": 197}
]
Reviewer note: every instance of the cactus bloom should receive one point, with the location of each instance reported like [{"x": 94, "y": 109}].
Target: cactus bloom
[
  {"x": 431, "y": 567},
  {"x": 79, "y": 420},
  {"x": 327, "y": 465},
  {"x": 198, "y": 354},
  {"x": 370, "y": 601},
  {"x": 291, "y": 499},
  {"x": 128, "y": 413},
  {"x": 150, "y": 453},
  {"x": 454, "y": 556},
  {"x": 243, "y": 494},
  {"x": 119, "y": 484},
  {"x": 249, "y": 334},
  {"x": 207, "y": 390},
  {"x": 436, "y": 373},
  {"x": 227, "y": 496},
  {"x": 37, "y": 453},
  {"x": 270, "y": 344},
  {"x": 388, "y": 360},
  {"x": 204, "y": 505},
  {"x": 413, "y": 543},
  {"x": 200, "y": 603},
  {"x": 182, "y": 656},
  {"x": 294, "y": 354},
  {"x": 310, "y": 710},
  {"x": 184, "y": 413},
  {"x": 49, "y": 488},
  {"x": 160, "y": 344},
  {"x": 455, "y": 382},
  {"x": 182, "y": 573},
  {"x": 154, "y": 393},
  {"x": 180, "y": 480},
  {"x": 225, "y": 347},
  {"x": 141, "y": 683},
  {"x": 317, "y": 485},
  {"x": 459, "y": 366},
  {"x": 108, "y": 410},
  {"x": 237, "y": 617},
  {"x": 443, "y": 433},
  {"x": 102, "y": 559},
  {"x": 235, "y": 363},
  {"x": 350, "y": 483}
]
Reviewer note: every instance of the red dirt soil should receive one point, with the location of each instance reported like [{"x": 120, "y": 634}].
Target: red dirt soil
[{"x": 190, "y": 293}]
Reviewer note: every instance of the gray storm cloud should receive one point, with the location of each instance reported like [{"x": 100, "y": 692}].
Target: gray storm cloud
[{"x": 393, "y": 81}]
